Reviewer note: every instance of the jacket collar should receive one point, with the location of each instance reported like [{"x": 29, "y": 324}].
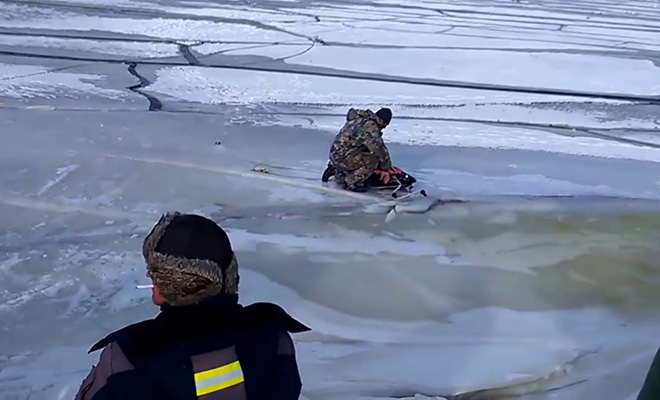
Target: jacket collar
[
  {"x": 207, "y": 304},
  {"x": 215, "y": 314}
]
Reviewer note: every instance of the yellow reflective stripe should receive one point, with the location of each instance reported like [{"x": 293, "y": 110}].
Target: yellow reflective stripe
[
  {"x": 218, "y": 378},
  {"x": 212, "y": 373},
  {"x": 219, "y": 386}
]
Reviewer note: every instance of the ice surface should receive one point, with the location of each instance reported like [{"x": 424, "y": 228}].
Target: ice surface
[
  {"x": 462, "y": 24},
  {"x": 27, "y": 81},
  {"x": 127, "y": 49},
  {"x": 606, "y": 74},
  {"x": 241, "y": 87},
  {"x": 463, "y": 134},
  {"x": 18, "y": 16},
  {"x": 542, "y": 286},
  {"x": 414, "y": 315}
]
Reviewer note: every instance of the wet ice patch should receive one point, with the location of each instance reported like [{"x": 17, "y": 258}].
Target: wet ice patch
[
  {"x": 437, "y": 368},
  {"x": 467, "y": 347},
  {"x": 516, "y": 252},
  {"x": 437, "y": 358},
  {"x": 348, "y": 355},
  {"x": 341, "y": 242}
]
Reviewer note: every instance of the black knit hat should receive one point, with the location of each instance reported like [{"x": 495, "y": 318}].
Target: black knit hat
[
  {"x": 189, "y": 258},
  {"x": 385, "y": 114}
]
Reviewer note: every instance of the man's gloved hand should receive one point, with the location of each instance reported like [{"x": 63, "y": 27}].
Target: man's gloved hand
[{"x": 384, "y": 175}]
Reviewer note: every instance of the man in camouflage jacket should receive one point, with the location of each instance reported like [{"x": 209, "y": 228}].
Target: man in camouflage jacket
[{"x": 358, "y": 150}]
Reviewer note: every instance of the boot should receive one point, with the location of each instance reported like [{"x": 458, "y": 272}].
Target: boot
[
  {"x": 329, "y": 171},
  {"x": 359, "y": 187}
]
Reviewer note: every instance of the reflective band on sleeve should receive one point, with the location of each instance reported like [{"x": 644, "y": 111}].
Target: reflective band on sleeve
[{"x": 219, "y": 378}]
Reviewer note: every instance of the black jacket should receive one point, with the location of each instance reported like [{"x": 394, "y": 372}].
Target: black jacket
[
  {"x": 214, "y": 350},
  {"x": 651, "y": 388}
]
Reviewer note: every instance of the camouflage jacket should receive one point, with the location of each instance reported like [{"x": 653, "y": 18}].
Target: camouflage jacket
[{"x": 360, "y": 134}]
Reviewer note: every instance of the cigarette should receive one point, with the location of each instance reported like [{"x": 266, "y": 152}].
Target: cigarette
[{"x": 144, "y": 286}]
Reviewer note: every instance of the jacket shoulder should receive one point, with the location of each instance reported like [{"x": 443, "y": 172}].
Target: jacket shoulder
[
  {"x": 371, "y": 129},
  {"x": 255, "y": 316},
  {"x": 112, "y": 362},
  {"x": 120, "y": 335},
  {"x": 352, "y": 114},
  {"x": 260, "y": 314}
]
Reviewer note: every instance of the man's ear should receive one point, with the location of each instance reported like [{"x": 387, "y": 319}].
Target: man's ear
[{"x": 156, "y": 297}]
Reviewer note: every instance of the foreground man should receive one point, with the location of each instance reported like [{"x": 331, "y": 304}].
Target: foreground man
[
  {"x": 651, "y": 388},
  {"x": 203, "y": 344},
  {"x": 358, "y": 149}
]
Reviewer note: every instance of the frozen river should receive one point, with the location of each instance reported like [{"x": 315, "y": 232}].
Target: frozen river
[{"x": 543, "y": 114}]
